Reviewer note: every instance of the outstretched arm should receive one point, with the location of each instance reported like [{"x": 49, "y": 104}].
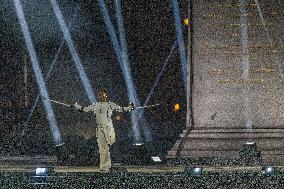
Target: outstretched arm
[
  {"x": 84, "y": 109},
  {"x": 121, "y": 109}
]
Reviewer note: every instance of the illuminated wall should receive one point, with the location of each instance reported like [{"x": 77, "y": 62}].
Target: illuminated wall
[
  {"x": 218, "y": 100},
  {"x": 219, "y": 128}
]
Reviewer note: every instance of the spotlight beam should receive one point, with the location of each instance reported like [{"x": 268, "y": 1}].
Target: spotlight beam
[
  {"x": 125, "y": 59},
  {"x": 160, "y": 74},
  {"x": 53, "y": 64},
  {"x": 246, "y": 66},
  {"x": 121, "y": 30},
  {"x": 123, "y": 44},
  {"x": 120, "y": 54},
  {"x": 280, "y": 68},
  {"x": 181, "y": 47},
  {"x": 82, "y": 73},
  {"x": 38, "y": 73}
]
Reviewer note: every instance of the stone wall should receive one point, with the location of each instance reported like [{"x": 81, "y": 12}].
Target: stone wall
[
  {"x": 219, "y": 128},
  {"x": 218, "y": 100}
]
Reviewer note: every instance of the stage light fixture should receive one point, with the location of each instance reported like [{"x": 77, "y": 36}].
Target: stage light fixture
[
  {"x": 43, "y": 171},
  {"x": 41, "y": 176},
  {"x": 156, "y": 159},
  {"x": 137, "y": 144},
  {"x": 194, "y": 171},
  {"x": 197, "y": 170},
  {"x": 61, "y": 144},
  {"x": 250, "y": 143},
  {"x": 268, "y": 170}
]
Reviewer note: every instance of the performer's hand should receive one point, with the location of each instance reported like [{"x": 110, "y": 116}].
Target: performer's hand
[
  {"x": 77, "y": 106},
  {"x": 132, "y": 106}
]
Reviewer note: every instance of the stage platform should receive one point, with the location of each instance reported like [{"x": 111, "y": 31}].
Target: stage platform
[
  {"x": 30, "y": 163},
  {"x": 134, "y": 169},
  {"x": 150, "y": 176}
]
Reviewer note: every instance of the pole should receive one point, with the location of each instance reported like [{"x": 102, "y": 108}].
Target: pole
[{"x": 188, "y": 71}]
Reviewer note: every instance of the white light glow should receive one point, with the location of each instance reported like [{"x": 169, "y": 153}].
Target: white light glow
[
  {"x": 138, "y": 144},
  {"x": 156, "y": 159},
  {"x": 197, "y": 170},
  {"x": 269, "y": 169},
  {"x": 40, "y": 171},
  {"x": 250, "y": 143}
]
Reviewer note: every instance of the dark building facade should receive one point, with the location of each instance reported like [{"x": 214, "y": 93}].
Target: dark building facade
[{"x": 237, "y": 91}]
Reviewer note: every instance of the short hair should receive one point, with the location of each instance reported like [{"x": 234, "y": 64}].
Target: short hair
[{"x": 102, "y": 91}]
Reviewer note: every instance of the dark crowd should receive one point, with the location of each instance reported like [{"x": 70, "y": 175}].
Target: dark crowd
[{"x": 124, "y": 180}]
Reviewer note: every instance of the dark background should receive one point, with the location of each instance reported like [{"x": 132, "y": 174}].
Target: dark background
[{"x": 150, "y": 33}]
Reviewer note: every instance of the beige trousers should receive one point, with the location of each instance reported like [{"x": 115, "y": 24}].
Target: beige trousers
[{"x": 105, "y": 137}]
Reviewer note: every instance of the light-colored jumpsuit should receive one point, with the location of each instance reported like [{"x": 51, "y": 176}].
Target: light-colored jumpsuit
[{"x": 105, "y": 132}]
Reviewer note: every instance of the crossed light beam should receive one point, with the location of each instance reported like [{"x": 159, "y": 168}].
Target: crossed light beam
[
  {"x": 122, "y": 57},
  {"x": 125, "y": 62},
  {"x": 121, "y": 51},
  {"x": 160, "y": 74},
  {"x": 25, "y": 124},
  {"x": 82, "y": 73},
  {"x": 180, "y": 41},
  {"x": 38, "y": 73},
  {"x": 138, "y": 113}
]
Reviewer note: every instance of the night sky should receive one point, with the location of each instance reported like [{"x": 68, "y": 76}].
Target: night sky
[{"x": 150, "y": 33}]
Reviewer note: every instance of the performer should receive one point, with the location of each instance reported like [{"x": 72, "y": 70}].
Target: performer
[{"x": 105, "y": 133}]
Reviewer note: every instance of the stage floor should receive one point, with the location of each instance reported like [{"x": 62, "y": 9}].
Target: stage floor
[{"x": 133, "y": 169}]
